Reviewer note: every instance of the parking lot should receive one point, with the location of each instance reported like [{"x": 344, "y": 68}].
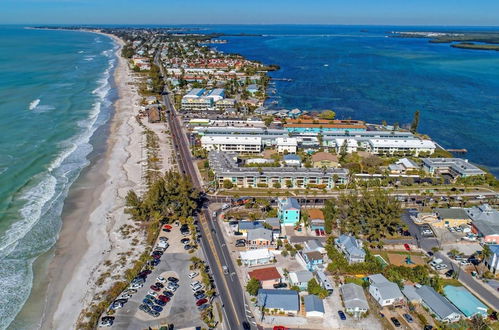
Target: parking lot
[{"x": 181, "y": 310}]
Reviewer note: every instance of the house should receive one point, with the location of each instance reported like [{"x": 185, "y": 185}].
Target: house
[
  {"x": 386, "y": 293},
  {"x": 402, "y": 166},
  {"x": 351, "y": 248},
  {"x": 300, "y": 278},
  {"x": 467, "y": 303},
  {"x": 153, "y": 114},
  {"x": 324, "y": 281},
  {"x": 345, "y": 145},
  {"x": 485, "y": 222},
  {"x": 444, "y": 311},
  {"x": 316, "y": 219},
  {"x": 283, "y": 301},
  {"x": 245, "y": 226},
  {"x": 259, "y": 237},
  {"x": 314, "y": 245},
  {"x": 452, "y": 217},
  {"x": 274, "y": 224},
  {"x": 286, "y": 144},
  {"x": 310, "y": 260},
  {"x": 409, "y": 292},
  {"x": 313, "y": 306},
  {"x": 324, "y": 159},
  {"x": 256, "y": 257},
  {"x": 354, "y": 299},
  {"x": 492, "y": 262},
  {"x": 266, "y": 276},
  {"x": 292, "y": 160},
  {"x": 288, "y": 211}
]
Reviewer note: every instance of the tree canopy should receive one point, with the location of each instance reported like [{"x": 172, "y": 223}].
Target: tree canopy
[{"x": 327, "y": 114}]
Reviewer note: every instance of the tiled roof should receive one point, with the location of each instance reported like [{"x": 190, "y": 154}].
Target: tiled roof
[{"x": 265, "y": 274}]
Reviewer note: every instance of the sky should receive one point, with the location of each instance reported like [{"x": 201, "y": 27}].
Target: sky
[{"x": 367, "y": 12}]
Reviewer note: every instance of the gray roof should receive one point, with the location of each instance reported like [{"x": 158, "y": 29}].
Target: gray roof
[
  {"x": 259, "y": 233},
  {"x": 485, "y": 219},
  {"x": 313, "y": 245},
  {"x": 292, "y": 157},
  {"x": 452, "y": 213},
  {"x": 459, "y": 165},
  {"x": 287, "y": 300},
  {"x": 387, "y": 289},
  {"x": 353, "y": 296},
  {"x": 303, "y": 276},
  {"x": 274, "y": 222},
  {"x": 410, "y": 293},
  {"x": 248, "y": 225},
  {"x": 351, "y": 245},
  {"x": 313, "y": 303},
  {"x": 436, "y": 302},
  {"x": 289, "y": 204}
]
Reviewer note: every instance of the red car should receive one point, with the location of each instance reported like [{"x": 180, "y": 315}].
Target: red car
[
  {"x": 317, "y": 232},
  {"x": 154, "y": 288},
  {"x": 167, "y": 227},
  {"x": 201, "y": 302},
  {"x": 407, "y": 247},
  {"x": 322, "y": 232},
  {"x": 280, "y": 327},
  {"x": 163, "y": 298}
]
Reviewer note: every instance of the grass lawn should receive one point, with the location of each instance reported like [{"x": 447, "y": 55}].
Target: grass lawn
[
  {"x": 451, "y": 281},
  {"x": 355, "y": 280}
]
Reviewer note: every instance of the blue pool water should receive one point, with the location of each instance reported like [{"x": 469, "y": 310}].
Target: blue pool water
[{"x": 467, "y": 303}]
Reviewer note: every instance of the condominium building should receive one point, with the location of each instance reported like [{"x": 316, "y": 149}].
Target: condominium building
[
  {"x": 240, "y": 144},
  {"x": 225, "y": 167},
  {"x": 456, "y": 167},
  {"x": 404, "y": 146}
]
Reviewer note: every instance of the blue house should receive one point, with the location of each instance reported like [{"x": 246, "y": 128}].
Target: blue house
[
  {"x": 288, "y": 211},
  {"x": 351, "y": 248},
  {"x": 285, "y": 301},
  {"x": 311, "y": 259}
]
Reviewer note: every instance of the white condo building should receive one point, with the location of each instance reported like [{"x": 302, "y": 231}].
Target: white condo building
[{"x": 240, "y": 144}]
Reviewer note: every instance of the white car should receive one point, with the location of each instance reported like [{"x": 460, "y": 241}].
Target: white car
[
  {"x": 136, "y": 285},
  {"x": 195, "y": 283},
  {"x": 192, "y": 275},
  {"x": 172, "y": 288},
  {"x": 197, "y": 288},
  {"x": 163, "y": 239},
  {"x": 161, "y": 279},
  {"x": 152, "y": 293}
]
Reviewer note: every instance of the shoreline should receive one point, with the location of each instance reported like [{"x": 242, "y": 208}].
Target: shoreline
[{"x": 92, "y": 214}]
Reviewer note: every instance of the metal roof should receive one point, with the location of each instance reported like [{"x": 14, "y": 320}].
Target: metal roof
[
  {"x": 353, "y": 296},
  {"x": 287, "y": 300},
  {"x": 436, "y": 302},
  {"x": 313, "y": 303}
]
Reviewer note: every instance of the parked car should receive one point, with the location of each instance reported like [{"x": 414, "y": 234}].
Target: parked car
[
  {"x": 168, "y": 294},
  {"x": 192, "y": 275},
  {"x": 161, "y": 279},
  {"x": 203, "y": 307},
  {"x": 449, "y": 273},
  {"x": 154, "y": 262},
  {"x": 395, "y": 321},
  {"x": 199, "y": 296},
  {"x": 408, "y": 317},
  {"x": 159, "y": 302},
  {"x": 240, "y": 244},
  {"x": 154, "y": 313},
  {"x": 164, "y": 298},
  {"x": 106, "y": 321},
  {"x": 173, "y": 279},
  {"x": 280, "y": 285},
  {"x": 342, "y": 315},
  {"x": 407, "y": 247},
  {"x": 148, "y": 302},
  {"x": 158, "y": 309},
  {"x": 144, "y": 308},
  {"x": 201, "y": 301}
]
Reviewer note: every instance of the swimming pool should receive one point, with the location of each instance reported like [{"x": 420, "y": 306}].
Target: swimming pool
[{"x": 467, "y": 303}]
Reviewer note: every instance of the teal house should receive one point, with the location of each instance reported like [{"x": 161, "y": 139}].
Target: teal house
[{"x": 289, "y": 211}]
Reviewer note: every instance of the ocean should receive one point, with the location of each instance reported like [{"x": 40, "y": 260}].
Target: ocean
[
  {"x": 55, "y": 92},
  {"x": 360, "y": 73}
]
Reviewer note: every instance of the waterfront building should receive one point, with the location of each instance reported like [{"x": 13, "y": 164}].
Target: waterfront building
[
  {"x": 455, "y": 167},
  {"x": 288, "y": 211},
  {"x": 402, "y": 146},
  {"x": 239, "y": 144},
  {"x": 225, "y": 167},
  {"x": 195, "y": 101},
  {"x": 323, "y": 126}
]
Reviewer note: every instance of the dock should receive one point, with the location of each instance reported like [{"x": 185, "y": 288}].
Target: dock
[{"x": 458, "y": 151}]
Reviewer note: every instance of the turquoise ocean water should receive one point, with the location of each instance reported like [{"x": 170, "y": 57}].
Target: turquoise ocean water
[{"x": 55, "y": 91}]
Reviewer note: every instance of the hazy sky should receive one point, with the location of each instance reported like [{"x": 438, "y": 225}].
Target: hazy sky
[{"x": 388, "y": 12}]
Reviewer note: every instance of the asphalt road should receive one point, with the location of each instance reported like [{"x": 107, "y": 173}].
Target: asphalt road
[
  {"x": 427, "y": 243},
  {"x": 214, "y": 247}
]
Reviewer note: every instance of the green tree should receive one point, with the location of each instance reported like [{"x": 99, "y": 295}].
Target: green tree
[
  {"x": 228, "y": 184},
  {"x": 327, "y": 114},
  {"x": 314, "y": 288},
  {"x": 253, "y": 286},
  {"x": 415, "y": 122}
]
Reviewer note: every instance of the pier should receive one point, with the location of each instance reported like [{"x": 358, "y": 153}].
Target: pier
[
  {"x": 281, "y": 79},
  {"x": 458, "y": 151}
]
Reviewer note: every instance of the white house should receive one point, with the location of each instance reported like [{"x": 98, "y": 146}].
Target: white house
[
  {"x": 386, "y": 293},
  {"x": 256, "y": 257},
  {"x": 350, "y": 145}
]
